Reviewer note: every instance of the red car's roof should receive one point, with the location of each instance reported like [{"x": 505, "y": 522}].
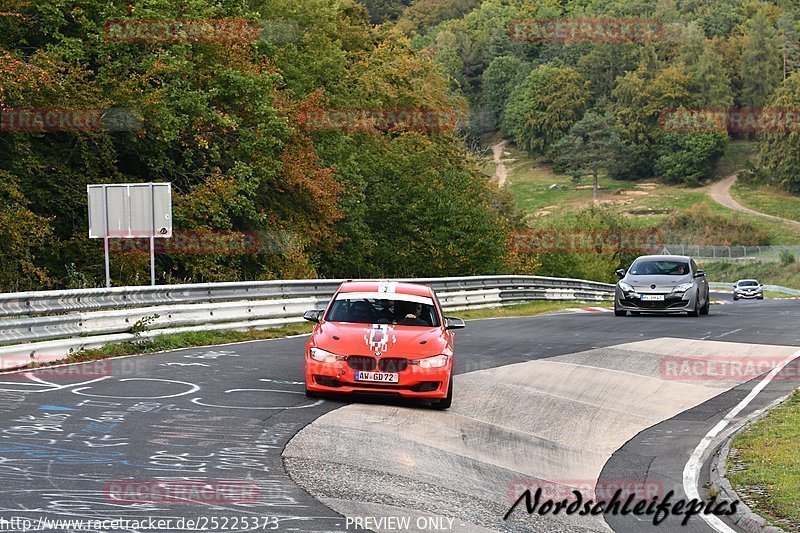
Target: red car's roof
[{"x": 385, "y": 286}]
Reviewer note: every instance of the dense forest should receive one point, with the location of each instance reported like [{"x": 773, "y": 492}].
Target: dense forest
[
  {"x": 225, "y": 121},
  {"x": 221, "y": 119},
  {"x": 720, "y": 55}
]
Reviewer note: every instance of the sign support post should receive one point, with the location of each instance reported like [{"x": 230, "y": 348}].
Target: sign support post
[
  {"x": 152, "y": 237},
  {"x": 105, "y": 240},
  {"x": 108, "y": 261}
]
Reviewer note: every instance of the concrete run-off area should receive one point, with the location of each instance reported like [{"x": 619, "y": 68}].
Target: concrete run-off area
[{"x": 550, "y": 422}]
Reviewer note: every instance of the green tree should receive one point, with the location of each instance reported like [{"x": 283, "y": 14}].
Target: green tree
[
  {"x": 415, "y": 208},
  {"x": 789, "y": 38},
  {"x": 446, "y": 54},
  {"x": 640, "y": 98},
  {"x": 761, "y": 67},
  {"x": 384, "y": 10},
  {"x": 710, "y": 86},
  {"x": 719, "y": 18},
  {"x": 779, "y": 150},
  {"x": 689, "y": 157},
  {"x": 590, "y": 148},
  {"x": 544, "y": 106},
  {"x": 425, "y": 14},
  {"x": 499, "y": 80}
]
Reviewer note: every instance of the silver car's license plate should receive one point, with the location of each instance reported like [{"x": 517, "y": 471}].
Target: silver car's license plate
[{"x": 652, "y": 297}]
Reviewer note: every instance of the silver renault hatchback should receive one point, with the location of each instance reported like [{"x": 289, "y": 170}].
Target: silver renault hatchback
[{"x": 662, "y": 284}]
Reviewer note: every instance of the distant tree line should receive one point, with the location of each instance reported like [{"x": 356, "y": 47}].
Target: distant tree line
[{"x": 719, "y": 55}]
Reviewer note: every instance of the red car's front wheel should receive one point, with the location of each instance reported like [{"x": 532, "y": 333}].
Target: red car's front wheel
[{"x": 445, "y": 402}]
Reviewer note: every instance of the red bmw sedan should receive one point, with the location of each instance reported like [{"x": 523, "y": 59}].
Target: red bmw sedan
[{"x": 382, "y": 337}]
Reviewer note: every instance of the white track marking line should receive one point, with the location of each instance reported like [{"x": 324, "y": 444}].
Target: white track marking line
[
  {"x": 691, "y": 471},
  {"x": 729, "y": 332}
]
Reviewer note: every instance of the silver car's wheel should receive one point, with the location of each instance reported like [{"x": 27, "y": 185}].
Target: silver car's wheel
[{"x": 706, "y": 306}]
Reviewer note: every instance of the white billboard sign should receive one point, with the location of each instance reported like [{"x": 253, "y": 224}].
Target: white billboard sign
[{"x": 130, "y": 210}]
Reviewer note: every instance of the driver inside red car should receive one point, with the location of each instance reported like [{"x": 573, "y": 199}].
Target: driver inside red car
[{"x": 410, "y": 314}]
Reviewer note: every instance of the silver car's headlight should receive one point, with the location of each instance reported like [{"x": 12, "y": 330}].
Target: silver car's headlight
[
  {"x": 625, "y": 286},
  {"x": 683, "y": 287}
]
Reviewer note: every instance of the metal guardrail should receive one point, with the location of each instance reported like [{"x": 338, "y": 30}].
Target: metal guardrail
[
  {"x": 80, "y": 300},
  {"x": 85, "y": 318},
  {"x": 716, "y": 285},
  {"x": 730, "y": 253}
]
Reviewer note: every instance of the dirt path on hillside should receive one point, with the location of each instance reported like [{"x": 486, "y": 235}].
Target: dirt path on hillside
[
  {"x": 501, "y": 171},
  {"x": 720, "y": 192}
]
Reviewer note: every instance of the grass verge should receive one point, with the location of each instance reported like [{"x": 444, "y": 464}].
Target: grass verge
[
  {"x": 768, "y": 273},
  {"x": 652, "y": 204},
  {"x": 766, "y": 199},
  {"x": 766, "y": 465},
  {"x": 528, "y": 309},
  {"x": 770, "y": 294},
  {"x": 175, "y": 341}
]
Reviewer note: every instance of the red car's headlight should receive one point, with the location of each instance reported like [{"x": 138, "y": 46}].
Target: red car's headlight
[
  {"x": 323, "y": 356},
  {"x": 437, "y": 361}
]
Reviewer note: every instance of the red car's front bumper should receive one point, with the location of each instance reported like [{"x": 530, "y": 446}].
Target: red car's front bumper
[{"x": 413, "y": 382}]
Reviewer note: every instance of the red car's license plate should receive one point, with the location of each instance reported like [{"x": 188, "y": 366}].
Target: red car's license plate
[{"x": 379, "y": 377}]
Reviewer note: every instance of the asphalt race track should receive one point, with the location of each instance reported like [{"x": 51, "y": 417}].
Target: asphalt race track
[{"x": 566, "y": 400}]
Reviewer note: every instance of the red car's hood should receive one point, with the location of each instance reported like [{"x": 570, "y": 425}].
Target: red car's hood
[{"x": 412, "y": 342}]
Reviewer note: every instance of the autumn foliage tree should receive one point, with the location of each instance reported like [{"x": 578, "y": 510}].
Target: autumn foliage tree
[{"x": 221, "y": 119}]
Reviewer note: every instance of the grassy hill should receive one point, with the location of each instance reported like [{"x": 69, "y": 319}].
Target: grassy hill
[{"x": 684, "y": 214}]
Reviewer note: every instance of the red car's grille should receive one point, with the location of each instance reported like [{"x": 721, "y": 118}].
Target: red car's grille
[
  {"x": 393, "y": 365},
  {"x": 361, "y": 362}
]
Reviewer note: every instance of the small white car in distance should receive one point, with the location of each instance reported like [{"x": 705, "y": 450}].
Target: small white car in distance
[{"x": 748, "y": 288}]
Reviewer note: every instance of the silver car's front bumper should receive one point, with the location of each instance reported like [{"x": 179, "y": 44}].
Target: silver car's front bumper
[
  {"x": 672, "y": 303},
  {"x": 744, "y": 295}
]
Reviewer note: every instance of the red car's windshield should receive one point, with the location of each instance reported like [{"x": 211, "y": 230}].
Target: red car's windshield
[{"x": 404, "y": 310}]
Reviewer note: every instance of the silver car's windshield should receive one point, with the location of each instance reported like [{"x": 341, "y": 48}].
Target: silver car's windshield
[
  {"x": 748, "y": 283},
  {"x": 659, "y": 268}
]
